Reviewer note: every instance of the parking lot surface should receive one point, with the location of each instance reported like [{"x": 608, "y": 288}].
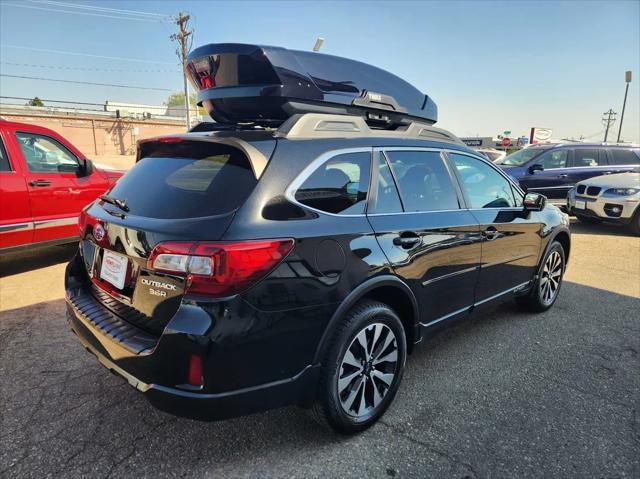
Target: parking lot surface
[{"x": 502, "y": 394}]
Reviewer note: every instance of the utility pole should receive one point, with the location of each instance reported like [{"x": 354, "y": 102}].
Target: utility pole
[
  {"x": 627, "y": 78},
  {"x": 181, "y": 37},
  {"x": 608, "y": 121}
]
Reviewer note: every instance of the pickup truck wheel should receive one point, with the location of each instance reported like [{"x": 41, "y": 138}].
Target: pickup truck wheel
[
  {"x": 546, "y": 288},
  {"x": 362, "y": 368}
]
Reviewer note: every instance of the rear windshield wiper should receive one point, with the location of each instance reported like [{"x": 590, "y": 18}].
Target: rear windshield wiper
[{"x": 116, "y": 202}]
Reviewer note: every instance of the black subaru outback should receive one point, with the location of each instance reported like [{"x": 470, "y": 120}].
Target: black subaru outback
[{"x": 296, "y": 251}]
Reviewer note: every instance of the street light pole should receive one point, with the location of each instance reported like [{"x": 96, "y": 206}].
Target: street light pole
[{"x": 627, "y": 79}]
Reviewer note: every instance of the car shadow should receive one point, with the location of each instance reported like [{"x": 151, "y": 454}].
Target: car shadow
[
  {"x": 608, "y": 229},
  {"x": 63, "y": 414},
  {"x": 28, "y": 260}
]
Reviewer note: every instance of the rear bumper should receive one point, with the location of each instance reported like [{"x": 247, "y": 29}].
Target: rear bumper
[{"x": 157, "y": 366}]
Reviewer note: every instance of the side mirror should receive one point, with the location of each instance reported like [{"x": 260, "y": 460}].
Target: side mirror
[
  {"x": 534, "y": 202},
  {"x": 86, "y": 167},
  {"x": 536, "y": 167}
]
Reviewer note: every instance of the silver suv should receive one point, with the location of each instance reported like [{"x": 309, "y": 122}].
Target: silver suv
[{"x": 608, "y": 197}]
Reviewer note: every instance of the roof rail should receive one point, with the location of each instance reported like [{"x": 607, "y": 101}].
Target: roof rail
[{"x": 321, "y": 125}]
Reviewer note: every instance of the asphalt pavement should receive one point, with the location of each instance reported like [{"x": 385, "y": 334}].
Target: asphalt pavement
[{"x": 500, "y": 395}]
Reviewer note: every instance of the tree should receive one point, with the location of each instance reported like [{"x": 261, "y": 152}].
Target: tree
[
  {"x": 38, "y": 102},
  {"x": 177, "y": 100}
]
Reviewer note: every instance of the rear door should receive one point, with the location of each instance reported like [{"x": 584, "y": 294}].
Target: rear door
[
  {"x": 16, "y": 226},
  {"x": 58, "y": 186},
  {"x": 429, "y": 239},
  {"x": 511, "y": 237},
  {"x": 554, "y": 180}
]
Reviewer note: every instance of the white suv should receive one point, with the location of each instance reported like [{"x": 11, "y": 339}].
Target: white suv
[{"x": 608, "y": 197}]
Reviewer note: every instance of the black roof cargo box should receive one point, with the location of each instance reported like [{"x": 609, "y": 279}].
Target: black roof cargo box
[{"x": 240, "y": 83}]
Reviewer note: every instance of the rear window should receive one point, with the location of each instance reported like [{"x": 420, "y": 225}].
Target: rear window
[
  {"x": 620, "y": 156},
  {"x": 217, "y": 179}
]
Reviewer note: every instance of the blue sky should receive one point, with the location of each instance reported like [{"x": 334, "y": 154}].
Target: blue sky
[{"x": 490, "y": 66}]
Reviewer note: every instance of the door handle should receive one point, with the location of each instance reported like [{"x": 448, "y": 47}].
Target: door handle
[
  {"x": 406, "y": 242},
  {"x": 74, "y": 192},
  {"x": 563, "y": 176},
  {"x": 490, "y": 233},
  {"x": 40, "y": 183},
  {"x": 608, "y": 172}
]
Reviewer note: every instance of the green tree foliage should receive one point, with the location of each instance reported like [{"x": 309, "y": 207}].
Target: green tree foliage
[
  {"x": 177, "y": 100},
  {"x": 38, "y": 102}
]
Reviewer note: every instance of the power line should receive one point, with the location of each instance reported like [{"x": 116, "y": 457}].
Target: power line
[
  {"x": 62, "y": 52},
  {"x": 64, "y": 67},
  {"x": 57, "y": 10},
  {"x": 102, "y": 9},
  {"x": 115, "y": 85},
  {"x": 83, "y": 103}
]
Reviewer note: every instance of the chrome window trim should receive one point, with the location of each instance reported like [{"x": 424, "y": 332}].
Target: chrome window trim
[
  {"x": 328, "y": 155},
  {"x": 297, "y": 182}
]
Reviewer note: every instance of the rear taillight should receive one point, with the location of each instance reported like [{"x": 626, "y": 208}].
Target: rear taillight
[
  {"x": 194, "y": 375},
  {"x": 219, "y": 268}
]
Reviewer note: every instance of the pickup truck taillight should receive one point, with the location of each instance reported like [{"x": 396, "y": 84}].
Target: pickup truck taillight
[{"x": 219, "y": 268}]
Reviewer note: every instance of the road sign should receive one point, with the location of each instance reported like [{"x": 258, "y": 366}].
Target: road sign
[{"x": 506, "y": 142}]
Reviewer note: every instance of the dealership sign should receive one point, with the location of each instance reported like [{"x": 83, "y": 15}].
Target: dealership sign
[{"x": 540, "y": 135}]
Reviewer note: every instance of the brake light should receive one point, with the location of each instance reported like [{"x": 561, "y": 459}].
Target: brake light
[
  {"x": 194, "y": 375},
  {"x": 219, "y": 268}
]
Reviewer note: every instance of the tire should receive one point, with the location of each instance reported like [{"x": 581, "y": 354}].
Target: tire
[
  {"x": 590, "y": 220},
  {"x": 342, "y": 403},
  {"x": 634, "y": 226},
  {"x": 550, "y": 272}
]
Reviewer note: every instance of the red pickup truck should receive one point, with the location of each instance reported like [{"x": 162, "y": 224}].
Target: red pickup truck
[{"x": 44, "y": 184}]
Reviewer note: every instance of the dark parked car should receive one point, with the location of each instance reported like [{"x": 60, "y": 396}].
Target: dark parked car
[
  {"x": 552, "y": 170},
  {"x": 246, "y": 268}
]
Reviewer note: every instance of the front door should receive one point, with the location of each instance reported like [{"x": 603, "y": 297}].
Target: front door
[
  {"x": 58, "y": 188},
  {"x": 511, "y": 236},
  {"x": 431, "y": 242},
  {"x": 554, "y": 181}
]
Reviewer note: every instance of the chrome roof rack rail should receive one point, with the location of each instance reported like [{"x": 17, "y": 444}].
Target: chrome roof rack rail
[{"x": 322, "y": 125}]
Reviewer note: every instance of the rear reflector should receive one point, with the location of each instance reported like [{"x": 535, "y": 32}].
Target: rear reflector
[
  {"x": 219, "y": 268},
  {"x": 195, "y": 371}
]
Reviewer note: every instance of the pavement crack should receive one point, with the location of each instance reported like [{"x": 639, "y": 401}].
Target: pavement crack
[{"x": 401, "y": 432}]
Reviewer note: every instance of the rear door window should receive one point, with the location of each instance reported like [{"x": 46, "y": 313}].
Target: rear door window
[
  {"x": 423, "y": 180},
  {"x": 621, "y": 156},
  {"x": 339, "y": 185},
  {"x": 213, "y": 180},
  {"x": 586, "y": 157}
]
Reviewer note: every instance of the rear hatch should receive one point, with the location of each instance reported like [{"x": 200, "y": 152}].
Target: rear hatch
[{"x": 137, "y": 242}]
